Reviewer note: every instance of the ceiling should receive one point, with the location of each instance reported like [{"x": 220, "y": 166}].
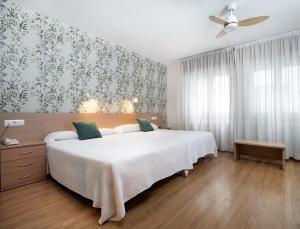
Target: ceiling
[{"x": 166, "y": 30}]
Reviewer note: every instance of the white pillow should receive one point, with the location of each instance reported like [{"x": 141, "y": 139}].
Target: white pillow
[
  {"x": 107, "y": 131},
  {"x": 154, "y": 126},
  {"x": 127, "y": 128},
  {"x": 60, "y": 135}
]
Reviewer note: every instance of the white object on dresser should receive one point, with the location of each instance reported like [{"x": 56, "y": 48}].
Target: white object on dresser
[{"x": 10, "y": 141}]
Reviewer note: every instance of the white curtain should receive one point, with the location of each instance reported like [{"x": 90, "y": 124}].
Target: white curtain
[
  {"x": 204, "y": 95},
  {"x": 250, "y": 91}
]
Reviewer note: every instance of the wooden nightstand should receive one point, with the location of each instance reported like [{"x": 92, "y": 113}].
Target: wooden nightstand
[{"x": 22, "y": 164}]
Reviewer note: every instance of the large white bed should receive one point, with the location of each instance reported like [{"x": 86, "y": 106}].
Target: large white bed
[{"x": 113, "y": 169}]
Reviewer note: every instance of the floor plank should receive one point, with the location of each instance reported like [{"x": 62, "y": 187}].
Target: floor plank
[{"x": 218, "y": 193}]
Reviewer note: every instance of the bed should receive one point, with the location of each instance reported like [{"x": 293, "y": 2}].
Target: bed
[{"x": 113, "y": 169}]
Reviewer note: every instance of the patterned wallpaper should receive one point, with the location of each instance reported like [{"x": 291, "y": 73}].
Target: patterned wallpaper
[{"x": 47, "y": 66}]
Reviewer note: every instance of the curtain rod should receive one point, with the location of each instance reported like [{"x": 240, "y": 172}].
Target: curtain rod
[{"x": 232, "y": 47}]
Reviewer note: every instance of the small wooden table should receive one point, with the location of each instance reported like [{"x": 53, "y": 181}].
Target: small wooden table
[{"x": 261, "y": 150}]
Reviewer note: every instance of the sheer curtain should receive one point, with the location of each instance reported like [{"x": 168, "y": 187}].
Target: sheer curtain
[
  {"x": 249, "y": 91},
  {"x": 268, "y": 91},
  {"x": 204, "y": 95}
]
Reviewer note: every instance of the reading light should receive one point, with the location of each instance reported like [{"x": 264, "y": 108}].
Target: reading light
[
  {"x": 126, "y": 106},
  {"x": 135, "y": 100},
  {"x": 89, "y": 106}
]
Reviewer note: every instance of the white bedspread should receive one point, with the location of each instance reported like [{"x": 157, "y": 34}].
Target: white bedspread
[{"x": 115, "y": 168}]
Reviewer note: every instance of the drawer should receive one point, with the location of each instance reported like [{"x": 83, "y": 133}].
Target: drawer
[
  {"x": 23, "y": 164},
  {"x": 22, "y": 177},
  {"x": 22, "y": 152}
]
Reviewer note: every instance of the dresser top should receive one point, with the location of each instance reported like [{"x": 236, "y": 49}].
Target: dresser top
[{"x": 22, "y": 144}]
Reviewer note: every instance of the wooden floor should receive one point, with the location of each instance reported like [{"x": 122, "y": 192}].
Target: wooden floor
[{"x": 218, "y": 193}]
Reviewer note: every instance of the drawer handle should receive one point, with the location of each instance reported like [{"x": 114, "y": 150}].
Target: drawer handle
[
  {"x": 24, "y": 153},
  {"x": 25, "y": 176},
  {"x": 24, "y": 165}
]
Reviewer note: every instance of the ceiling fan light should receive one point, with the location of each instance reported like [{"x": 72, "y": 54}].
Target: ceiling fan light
[{"x": 230, "y": 27}]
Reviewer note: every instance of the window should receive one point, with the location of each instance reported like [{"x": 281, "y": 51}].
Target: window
[
  {"x": 268, "y": 85},
  {"x": 221, "y": 90},
  {"x": 211, "y": 98},
  {"x": 290, "y": 88}
]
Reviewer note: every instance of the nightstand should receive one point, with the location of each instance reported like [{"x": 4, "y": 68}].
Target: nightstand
[{"x": 22, "y": 164}]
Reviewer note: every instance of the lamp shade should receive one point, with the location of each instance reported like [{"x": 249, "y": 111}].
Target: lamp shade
[
  {"x": 89, "y": 106},
  {"x": 135, "y": 100}
]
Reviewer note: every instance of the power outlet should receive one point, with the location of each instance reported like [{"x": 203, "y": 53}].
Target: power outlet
[
  {"x": 20, "y": 122},
  {"x": 153, "y": 118}
]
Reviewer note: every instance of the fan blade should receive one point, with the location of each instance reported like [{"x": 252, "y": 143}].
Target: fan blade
[
  {"x": 218, "y": 20},
  {"x": 252, "y": 20},
  {"x": 223, "y": 12},
  {"x": 221, "y": 34}
]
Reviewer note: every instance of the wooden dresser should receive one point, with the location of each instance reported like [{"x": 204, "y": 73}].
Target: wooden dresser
[{"x": 22, "y": 164}]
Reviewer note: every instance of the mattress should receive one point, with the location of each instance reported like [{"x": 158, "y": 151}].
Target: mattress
[{"x": 113, "y": 169}]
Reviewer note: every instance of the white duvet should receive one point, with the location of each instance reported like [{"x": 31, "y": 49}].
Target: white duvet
[{"x": 115, "y": 168}]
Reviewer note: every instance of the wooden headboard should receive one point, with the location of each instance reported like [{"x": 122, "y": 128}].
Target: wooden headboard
[{"x": 38, "y": 125}]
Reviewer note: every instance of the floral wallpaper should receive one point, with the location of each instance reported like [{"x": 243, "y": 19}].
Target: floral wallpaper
[{"x": 47, "y": 66}]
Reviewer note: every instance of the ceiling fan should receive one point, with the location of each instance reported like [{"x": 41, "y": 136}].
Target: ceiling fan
[{"x": 230, "y": 21}]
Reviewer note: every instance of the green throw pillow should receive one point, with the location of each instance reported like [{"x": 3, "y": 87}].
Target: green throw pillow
[
  {"x": 145, "y": 125},
  {"x": 87, "y": 130}
]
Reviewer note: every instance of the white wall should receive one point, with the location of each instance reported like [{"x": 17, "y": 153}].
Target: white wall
[{"x": 172, "y": 79}]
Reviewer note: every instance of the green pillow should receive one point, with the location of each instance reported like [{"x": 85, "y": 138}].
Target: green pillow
[
  {"x": 87, "y": 130},
  {"x": 145, "y": 125}
]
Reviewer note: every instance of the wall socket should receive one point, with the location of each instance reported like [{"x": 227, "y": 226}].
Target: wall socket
[
  {"x": 19, "y": 122},
  {"x": 153, "y": 118}
]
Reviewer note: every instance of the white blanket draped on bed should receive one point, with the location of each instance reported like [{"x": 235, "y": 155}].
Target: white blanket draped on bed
[{"x": 115, "y": 168}]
